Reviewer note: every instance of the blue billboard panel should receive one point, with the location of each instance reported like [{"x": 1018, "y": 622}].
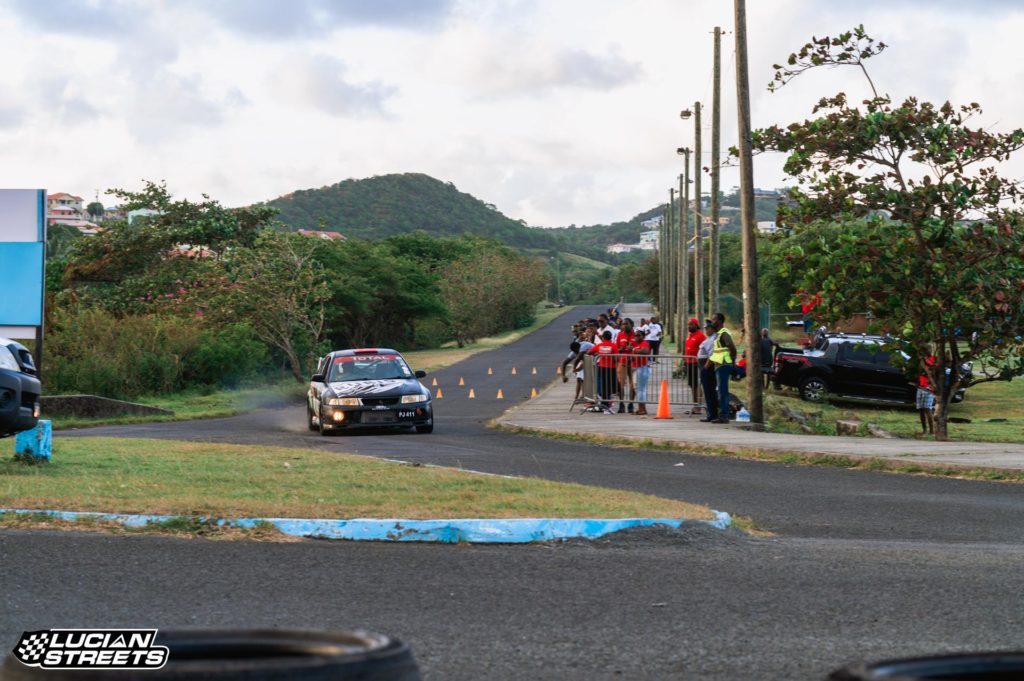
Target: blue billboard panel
[{"x": 21, "y": 270}]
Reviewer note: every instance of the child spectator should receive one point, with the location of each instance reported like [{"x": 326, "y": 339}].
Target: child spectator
[{"x": 605, "y": 352}]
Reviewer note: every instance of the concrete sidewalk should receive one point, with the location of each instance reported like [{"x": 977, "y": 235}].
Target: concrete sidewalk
[{"x": 550, "y": 412}]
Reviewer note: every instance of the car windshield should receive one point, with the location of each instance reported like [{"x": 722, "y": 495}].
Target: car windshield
[{"x": 368, "y": 368}]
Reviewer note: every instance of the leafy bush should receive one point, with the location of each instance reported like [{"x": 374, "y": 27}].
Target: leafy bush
[{"x": 225, "y": 357}]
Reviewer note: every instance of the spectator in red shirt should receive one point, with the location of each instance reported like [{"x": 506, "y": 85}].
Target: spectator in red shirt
[
  {"x": 810, "y": 302},
  {"x": 605, "y": 351},
  {"x": 624, "y": 347},
  {"x": 694, "y": 338}
]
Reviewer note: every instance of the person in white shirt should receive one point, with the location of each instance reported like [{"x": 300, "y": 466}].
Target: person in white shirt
[
  {"x": 653, "y": 337},
  {"x": 604, "y": 325}
]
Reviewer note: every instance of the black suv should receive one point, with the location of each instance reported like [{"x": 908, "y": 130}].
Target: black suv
[
  {"x": 848, "y": 366},
  {"x": 19, "y": 389}
]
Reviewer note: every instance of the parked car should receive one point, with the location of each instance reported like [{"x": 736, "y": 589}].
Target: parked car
[
  {"x": 368, "y": 388},
  {"x": 19, "y": 389},
  {"x": 850, "y": 367}
]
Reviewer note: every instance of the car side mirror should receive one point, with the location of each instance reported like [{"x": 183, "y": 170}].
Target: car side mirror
[
  {"x": 317, "y": 378},
  {"x": 421, "y": 374}
]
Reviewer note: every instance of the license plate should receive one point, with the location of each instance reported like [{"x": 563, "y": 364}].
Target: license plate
[
  {"x": 406, "y": 414},
  {"x": 378, "y": 417}
]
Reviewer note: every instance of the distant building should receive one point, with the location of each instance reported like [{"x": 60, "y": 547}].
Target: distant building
[
  {"x": 650, "y": 237},
  {"x": 767, "y": 227},
  {"x": 620, "y": 248},
  {"x": 646, "y": 246},
  {"x": 330, "y": 236},
  {"x": 652, "y": 223},
  {"x": 766, "y": 194},
  {"x": 64, "y": 200}
]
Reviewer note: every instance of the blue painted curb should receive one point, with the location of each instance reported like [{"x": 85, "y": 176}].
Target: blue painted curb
[{"x": 475, "y": 530}]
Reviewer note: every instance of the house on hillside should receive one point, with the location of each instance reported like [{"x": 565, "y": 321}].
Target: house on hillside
[
  {"x": 766, "y": 194},
  {"x": 650, "y": 237},
  {"x": 620, "y": 248},
  {"x": 64, "y": 201},
  {"x": 767, "y": 227},
  {"x": 652, "y": 223},
  {"x": 329, "y": 236}
]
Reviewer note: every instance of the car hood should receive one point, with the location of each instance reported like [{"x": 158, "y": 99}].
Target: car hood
[{"x": 386, "y": 388}]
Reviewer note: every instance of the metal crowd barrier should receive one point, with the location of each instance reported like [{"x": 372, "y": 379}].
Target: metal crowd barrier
[{"x": 602, "y": 385}]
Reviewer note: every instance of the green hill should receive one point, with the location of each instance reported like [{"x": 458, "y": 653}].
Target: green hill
[{"x": 385, "y": 205}]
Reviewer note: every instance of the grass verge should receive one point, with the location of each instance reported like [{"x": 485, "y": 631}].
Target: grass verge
[
  {"x": 166, "y": 477},
  {"x": 999, "y": 400},
  {"x": 780, "y": 456}
]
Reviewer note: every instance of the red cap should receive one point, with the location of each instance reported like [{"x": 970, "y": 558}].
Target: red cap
[{"x": 693, "y": 320}]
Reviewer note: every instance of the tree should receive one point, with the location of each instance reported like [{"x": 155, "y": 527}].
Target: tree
[
  {"x": 278, "y": 288},
  {"x": 95, "y": 209},
  {"x": 900, "y": 210}
]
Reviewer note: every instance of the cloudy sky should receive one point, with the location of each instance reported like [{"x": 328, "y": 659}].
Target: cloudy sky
[{"x": 557, "y": 111}]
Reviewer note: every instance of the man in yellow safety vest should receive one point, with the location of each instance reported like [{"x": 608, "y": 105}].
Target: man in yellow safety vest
[{"x": 723, "y": 357}]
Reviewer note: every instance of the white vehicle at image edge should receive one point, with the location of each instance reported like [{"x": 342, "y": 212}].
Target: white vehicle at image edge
[
  {"x": 19, "y": 388},
  {"x": 368, "y": 388}
]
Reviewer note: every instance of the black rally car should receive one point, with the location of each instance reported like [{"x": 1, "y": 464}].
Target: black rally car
[{"x": 368, "y": 388}]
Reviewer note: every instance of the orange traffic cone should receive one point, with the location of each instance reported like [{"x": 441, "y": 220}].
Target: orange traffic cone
[
  {"x": 500, "y": 396},
  {"x": 663, "y": 410},
  {"x": 533, "y": 393},
  {"x": 434, "y": 383},
  {"x": 471, "y": 394},
  {"x": 489, "y": 371},
  {"x": 558, "y": 371},
  {"x": 440, "y": 394},
  {"x": 513, "y": 371},
  {"x": 461, "y": 382}
]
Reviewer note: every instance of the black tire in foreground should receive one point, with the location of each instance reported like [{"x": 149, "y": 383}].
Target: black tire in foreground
[
  {"x": 969, "y": 666},
  {"x": 313, "y": 425},
  {"x": 257, "y": 655}
]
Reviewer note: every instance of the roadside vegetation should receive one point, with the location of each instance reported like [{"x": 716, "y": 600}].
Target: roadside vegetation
[
  {"x": 166, "y": 477},
  {"x": 196, "y": 296}
]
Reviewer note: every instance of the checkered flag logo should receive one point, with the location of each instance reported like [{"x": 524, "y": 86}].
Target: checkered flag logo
[{"x": 32, "y": 646}]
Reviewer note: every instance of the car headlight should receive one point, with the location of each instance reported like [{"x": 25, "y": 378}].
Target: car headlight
[
  {"x": 344, "y": 402},
  {"x": 409, "y": 399}
]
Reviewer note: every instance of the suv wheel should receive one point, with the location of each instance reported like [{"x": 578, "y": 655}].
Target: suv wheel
[
  {"x": 313, "y": 424},
  {"x": 814, "y": 389},
  {"x": 323, "y": 430}
]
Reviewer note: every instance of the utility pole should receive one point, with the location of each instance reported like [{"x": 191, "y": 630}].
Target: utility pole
[
  {"x": 684, "y": 238},
  {"x": 714, "y": 260},
  {"x": 698, "y": 252},
  {"x": 755, "y": 396},
  {"x": 662, "y": 270},
  {"x": 673, "y": 277}
]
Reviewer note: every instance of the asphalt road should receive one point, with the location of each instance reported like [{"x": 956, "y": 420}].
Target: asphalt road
[{"x": 863, "y": 565}]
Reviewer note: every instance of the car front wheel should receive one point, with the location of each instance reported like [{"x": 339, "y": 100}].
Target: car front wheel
[
  {"x": 814, "y": 389},
  {"x": 313, "y": 424}
]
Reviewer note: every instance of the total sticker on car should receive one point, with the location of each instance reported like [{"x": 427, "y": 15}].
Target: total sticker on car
[{"x": 363, "y": 358}]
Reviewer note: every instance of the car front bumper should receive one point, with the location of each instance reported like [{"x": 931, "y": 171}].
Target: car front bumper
[{"x": 395, "y": 416}]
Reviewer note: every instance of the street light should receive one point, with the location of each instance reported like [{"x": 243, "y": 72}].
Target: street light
[{"x": 685, "y": 114}]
